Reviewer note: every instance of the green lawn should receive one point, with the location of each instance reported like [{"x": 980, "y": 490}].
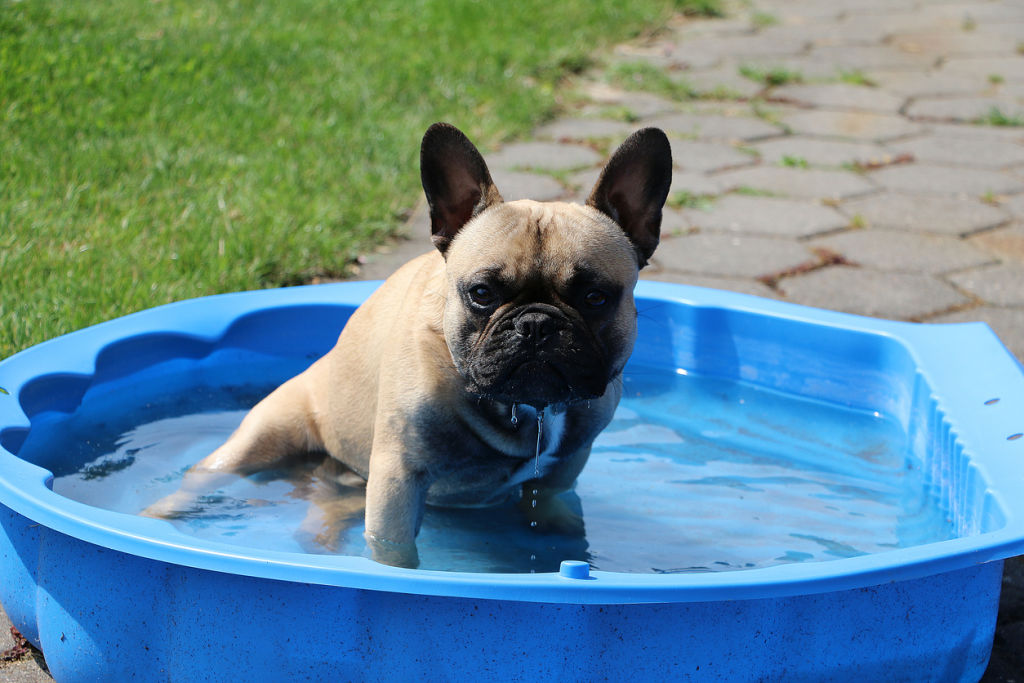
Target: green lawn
[{"x": 154, "y": 150}]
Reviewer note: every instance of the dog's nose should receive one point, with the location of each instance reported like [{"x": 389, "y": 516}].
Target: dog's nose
[{"x": 534, "y": 326}]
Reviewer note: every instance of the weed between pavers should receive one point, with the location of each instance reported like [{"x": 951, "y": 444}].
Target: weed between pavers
[
  {"x": 825, "y": 258},
  {"x": 21, "y": 649},
  {"x": 996, "y": 117}
]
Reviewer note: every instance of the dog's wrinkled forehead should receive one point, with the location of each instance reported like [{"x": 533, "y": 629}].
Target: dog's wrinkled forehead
[{"x": 524, "y": 238}]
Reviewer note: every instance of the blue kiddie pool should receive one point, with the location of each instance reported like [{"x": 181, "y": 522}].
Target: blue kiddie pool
[{"x": 784, "y": 494}]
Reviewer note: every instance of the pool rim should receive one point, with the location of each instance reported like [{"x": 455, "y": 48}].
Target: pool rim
[{"x": 24, "y": 487}]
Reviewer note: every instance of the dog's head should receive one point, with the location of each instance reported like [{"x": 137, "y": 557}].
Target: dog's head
[{"x": 539, "y": 303}]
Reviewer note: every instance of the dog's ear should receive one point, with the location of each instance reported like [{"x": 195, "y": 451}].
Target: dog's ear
[
  {"x": 456, "y": 181},
  {"x": 633, "y": 187}
]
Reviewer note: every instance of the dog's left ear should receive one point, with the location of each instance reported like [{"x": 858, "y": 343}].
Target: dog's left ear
[
  {"x": 633, "y": 187},
  {"x": 456, "y": 181}
]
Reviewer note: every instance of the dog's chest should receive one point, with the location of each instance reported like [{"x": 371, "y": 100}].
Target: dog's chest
[
  {"x": 482, "y": 477},
  {"x": 551, "y": 433}
]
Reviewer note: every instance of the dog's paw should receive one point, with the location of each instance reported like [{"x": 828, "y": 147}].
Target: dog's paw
[
  {"x": 392, "y": 553},
  {"x": 178, "y": 504}
]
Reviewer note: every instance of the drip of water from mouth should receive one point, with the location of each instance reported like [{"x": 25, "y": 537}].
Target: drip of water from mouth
[
  {"x": 536, "y": 471},
  {"x": 540, "y": 432},
  {"x": 515, "y": 418}
]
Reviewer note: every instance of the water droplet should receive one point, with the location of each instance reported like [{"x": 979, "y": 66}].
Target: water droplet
[
  {"x": 515, "y": 419},
  {"x": 533, "y": 524},
  {"x": 533, "y": 503}
]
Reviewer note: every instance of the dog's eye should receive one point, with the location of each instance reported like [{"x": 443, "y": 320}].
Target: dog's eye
[
  {"x": 595, "y": 298},
  {"x": 482, "y": 295}
]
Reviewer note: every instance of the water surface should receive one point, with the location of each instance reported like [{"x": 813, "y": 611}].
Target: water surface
[{"x": 694, "y": 474}]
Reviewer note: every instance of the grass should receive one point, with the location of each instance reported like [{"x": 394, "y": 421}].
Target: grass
[
  {"x": 748, "y": 191},
  {"x": 771, "y": 76},
  {"x": 650, "y": 79},
  {"x": 160, "y": 150},
  {"x": 793, "y": 162},
  {"x": 856, "y": 77},
  {"x": 995, "y": 117},
  {"x": 689, "y": 200}
]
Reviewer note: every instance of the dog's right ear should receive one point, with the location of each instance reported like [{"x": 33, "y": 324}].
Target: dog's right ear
[{"x": 456, "y": 181}]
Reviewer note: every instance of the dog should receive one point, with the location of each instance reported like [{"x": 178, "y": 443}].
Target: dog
[{"x": 439, "y": 384}]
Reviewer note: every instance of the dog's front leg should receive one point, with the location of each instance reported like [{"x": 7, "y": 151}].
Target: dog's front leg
[
  {"x": 395, "y": 498},
  {"x": 275, "y": 431}
]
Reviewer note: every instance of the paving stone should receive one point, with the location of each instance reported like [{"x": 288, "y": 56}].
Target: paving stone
[
  {"x": 1010, "y": 68},
  {"x": 751, "y": 45},
  {"x": 849, "y": 57},
  {"x": 950, "y": 180},
  {"x": 809, "y": 183},
  {"x": 947, "y": 43},
  {"x": 1001, "y": 284},
  {"x": 1015, "y": 205},
  {"x": 966, "y": 130},
  {"x": 876, "y": 9},
  {"x": 698, "y": 156},
  {"x": 800, "y": 11},
  {"x": 922, "y": 213},
  {"x": 768, "y": 216},
  {"x": 1013, "y": 29},
  {"x": 1007, "y": 323},
  {"x": 871, "y": 292},
  {"x": 980, "y": 12},
  {"x": 714, "y": 126},
  {"x": 914, "y": 83},
  {"x": 663, "y": 55},
  {"x": 731, "y": 255},
  {"x": 730, "y": 284},
  {"x": 582, "y": 182},
  {"x": 904, "y": 251},
  {"x": 722, "y": 81},
  {"x": 963, "y": 108},
  {"x": 822, "y": 152},
  {"x": 697, "y": 184},
  {"x": 838, "y": 96},
  {"x": 585, "y": 129},
  {"x": 547, "y": 156},
  {"x": 675, "y": 222},
  {"x": 961, "y": 151},
  {"x": 517, "y": 185},
  {"x": 829, "y": 32},
  {"x": 856, "y": 125},
  {"x": 802, "y": 66},
  {"x": 1007, "y": 244},
  {"x": 892, "y": 23},
  {"x": 640, "y": 104}
]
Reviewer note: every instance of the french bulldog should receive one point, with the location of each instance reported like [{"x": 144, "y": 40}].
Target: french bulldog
[{"x": 438, "y": 385}]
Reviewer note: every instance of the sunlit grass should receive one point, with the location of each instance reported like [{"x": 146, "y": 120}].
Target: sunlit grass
[{"x": 159, "y": 150}]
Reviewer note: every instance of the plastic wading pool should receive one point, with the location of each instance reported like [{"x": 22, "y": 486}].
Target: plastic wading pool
[{"x": 111, "y": 596}]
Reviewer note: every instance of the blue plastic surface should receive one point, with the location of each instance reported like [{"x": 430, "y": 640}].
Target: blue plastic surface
[{"x": 110, "y": 596}]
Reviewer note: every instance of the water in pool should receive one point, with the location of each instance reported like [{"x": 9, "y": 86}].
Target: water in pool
[{"x": 694, "y": 474}]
